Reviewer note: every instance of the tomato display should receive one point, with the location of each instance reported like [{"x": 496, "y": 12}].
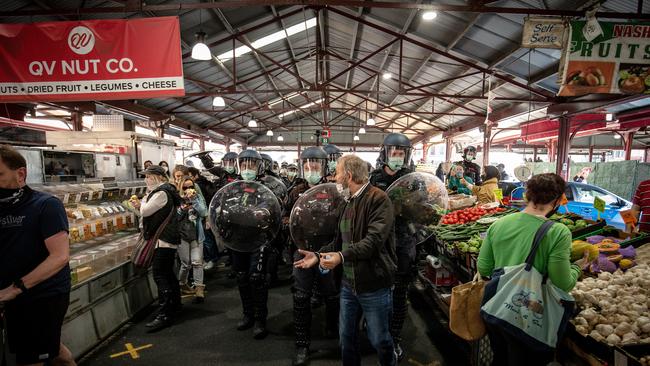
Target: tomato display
[{"x": 468, "y": 215}]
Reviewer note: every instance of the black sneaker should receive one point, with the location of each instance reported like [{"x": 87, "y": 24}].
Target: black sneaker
[{"x": 246, "y": 322}]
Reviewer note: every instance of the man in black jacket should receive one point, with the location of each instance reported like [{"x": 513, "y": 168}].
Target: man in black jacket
[{"x": 365, "y": 247}]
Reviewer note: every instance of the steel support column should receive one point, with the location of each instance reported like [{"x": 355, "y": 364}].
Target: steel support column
[
  {"x": 202, "y": 143},
  {"x": 77, "y": 123},
  {"x": 629, "y": 140},
  {"x": 646, "y": 156},
  {"x": 591, "y": 152},
  {"x": 563, "y": 145},
  {"x": 604, "y": 155},
  {"x": 228, "y": 142},
  {"x": 534, "y": 154},
  {"x": 448, "y": 146},
  {"x": 550, "y": 150}
]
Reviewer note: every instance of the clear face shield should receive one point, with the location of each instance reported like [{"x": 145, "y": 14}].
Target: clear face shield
[
  {"x": 313, "y": 170},
  {"x": 230, "y": 166},
  {"x": 249, "y": 168},
  {"x": 397, "y": 157}
]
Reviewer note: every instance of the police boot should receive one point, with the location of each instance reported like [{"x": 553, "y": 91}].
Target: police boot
[
  {"x": 259, "y": 331},
  {"x": 399, "y": 352},
  {"x": 246, "y": 296},
  {"x": 161, "y": 322},
  {"x": 302, "y": 356},
  {"x": 332, "y": 306}
]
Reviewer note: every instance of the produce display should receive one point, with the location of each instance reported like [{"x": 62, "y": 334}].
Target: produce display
[
  {"x": 614, "y": 305},
  {"x": 605, "y": 254},
  {"x": 572, "y": 221},
  {"x": 473, "y": 214}
]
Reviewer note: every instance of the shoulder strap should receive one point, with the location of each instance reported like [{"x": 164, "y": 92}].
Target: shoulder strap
[{"x": 539, "y": 235}]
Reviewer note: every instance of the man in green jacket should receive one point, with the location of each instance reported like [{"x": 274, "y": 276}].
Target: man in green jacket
[{"x": 365, "y": 247}]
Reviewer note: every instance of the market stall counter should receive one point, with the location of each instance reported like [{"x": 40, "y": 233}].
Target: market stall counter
[
  {"x": 619, "y": 268},
  {"x": 106, "y": 289}
]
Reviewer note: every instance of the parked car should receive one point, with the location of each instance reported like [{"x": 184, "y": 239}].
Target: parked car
[{"x": 581, "y": 201}]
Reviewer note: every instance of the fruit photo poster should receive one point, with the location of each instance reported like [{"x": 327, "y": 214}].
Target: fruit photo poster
[{"x": 615, "y": 62}]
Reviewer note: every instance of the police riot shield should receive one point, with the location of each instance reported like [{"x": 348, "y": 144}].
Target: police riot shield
[
  {"x": 276, "y": 186},
  {"x": 419, "y": 201},
  {"x": 245, "y": 216},
  {"x": 314, "y": 217}
]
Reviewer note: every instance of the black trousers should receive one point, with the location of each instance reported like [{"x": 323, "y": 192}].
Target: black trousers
[
  {"x": 253, "y": 282},
  {"x": 510, "y": 351},
  {"x": 303, "y": 288},
  {"x": 169, "y": 292},
  {"x": 403, "y": 278}
]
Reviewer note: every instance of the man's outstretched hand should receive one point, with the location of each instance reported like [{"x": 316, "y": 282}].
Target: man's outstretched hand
[{"x": 308, "y": 260}]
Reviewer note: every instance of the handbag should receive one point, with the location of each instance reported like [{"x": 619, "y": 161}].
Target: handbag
[
  {"x": 142, "y": 254},
  {"x": 465, "y": 310},
  {"x": 526, "y": 304}
]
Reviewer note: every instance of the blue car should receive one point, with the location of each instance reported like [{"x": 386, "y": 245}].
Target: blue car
[{"x": 581, "y": 201}]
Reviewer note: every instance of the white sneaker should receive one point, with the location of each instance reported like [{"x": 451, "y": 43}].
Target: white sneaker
[{"x": 208, "y": 266}]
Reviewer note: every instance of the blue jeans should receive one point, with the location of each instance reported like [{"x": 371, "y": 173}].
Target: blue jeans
[
  {"x": 210, "y": 249},
  {"x": 376, "y": 308}
]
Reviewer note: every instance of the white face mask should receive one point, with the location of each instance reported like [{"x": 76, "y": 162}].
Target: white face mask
[{"x": 151, "y": 182}]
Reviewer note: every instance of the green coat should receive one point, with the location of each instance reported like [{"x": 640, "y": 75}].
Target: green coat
[{"x": 457, "y": 186}]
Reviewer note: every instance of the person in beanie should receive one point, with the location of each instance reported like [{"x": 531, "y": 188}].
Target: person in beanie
[{"x": 158, "y": 213}]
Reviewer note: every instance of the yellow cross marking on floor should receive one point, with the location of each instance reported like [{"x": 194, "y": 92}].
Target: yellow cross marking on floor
[
  {"x": 416, "y": 363},
  {"x": 132, "y": 351}
]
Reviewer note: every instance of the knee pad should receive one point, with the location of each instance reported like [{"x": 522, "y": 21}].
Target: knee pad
[
  {"x": 242, "y": 277},
  {"x": 301, "y": 297},
  {"x": 258, "y": 279}
]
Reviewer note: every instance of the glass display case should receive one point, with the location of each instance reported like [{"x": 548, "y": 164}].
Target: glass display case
[{"x": 102, "y": 224}]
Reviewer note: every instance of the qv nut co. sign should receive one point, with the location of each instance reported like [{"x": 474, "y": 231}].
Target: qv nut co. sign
[{"x": 91, "y": 60}]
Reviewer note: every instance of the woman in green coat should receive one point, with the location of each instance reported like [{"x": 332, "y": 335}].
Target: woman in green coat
[{"x": 454, "y": 184}]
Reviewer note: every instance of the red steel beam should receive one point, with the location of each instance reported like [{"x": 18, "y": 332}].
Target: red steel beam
[
  {"x": 357, "y": 63},
  {"x": 139, "y": 7},
  {"x": 541, "y": 93}
]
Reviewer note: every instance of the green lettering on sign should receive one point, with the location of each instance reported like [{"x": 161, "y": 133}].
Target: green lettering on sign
[{"x": 599, "y": 204}]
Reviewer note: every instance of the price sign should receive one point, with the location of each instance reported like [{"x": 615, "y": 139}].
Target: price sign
[
  {"x": 498, "y": 194},
  {"x": 599, "y": 204},
  {"x": 628, "y": 217}
]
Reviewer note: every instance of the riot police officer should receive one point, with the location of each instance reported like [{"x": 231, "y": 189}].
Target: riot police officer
[
  {"x": 333, "y": 155},
  {"x": 394, "y": 159},
  {"x": 226, "y": 173},
  {"x": 472, "y": 169},
  {"x": 251, "y": 267},
  {"x": 268, "y": 165},
  {"x": 291, "y": 176},
  {"x": 313, "y": 169}
]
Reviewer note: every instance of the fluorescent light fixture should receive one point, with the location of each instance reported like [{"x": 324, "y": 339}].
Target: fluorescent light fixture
[
  {"x": 362, "y": 130},
  {"x": 356, "y": 138},
  {"x": 252, "y": 123},
  {"x": 370, "y": 121},
  {"x": 279, "y": 100},
  {"x": 387, "y": 75},
  {"x": 200, "y": 51},
  {"x": 267, "y": 40},
  {"x": 46, "y": 122},
  {"x": 218, "y": 102},
  {"x": 609, "y": 117},
  {"x": 617, "y": 136},
  {"x": 301, "y": 107},
  {"x": 269, "y": 133},
  {"x": 280, "y": 138},
  {"x": 429, "y": 15}
]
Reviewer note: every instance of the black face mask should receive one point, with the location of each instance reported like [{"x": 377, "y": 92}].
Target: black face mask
[
  {"x": 483, "y": 177},
  {"x": 553, "y": 212}
]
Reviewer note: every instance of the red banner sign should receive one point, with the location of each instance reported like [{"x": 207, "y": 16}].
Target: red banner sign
[{"x": 91, "y": 60}]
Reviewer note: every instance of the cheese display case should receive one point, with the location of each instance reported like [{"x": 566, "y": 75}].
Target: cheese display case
[{"x": 106, "y": 290}]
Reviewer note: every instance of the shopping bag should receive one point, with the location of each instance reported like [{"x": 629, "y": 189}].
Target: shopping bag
[
  {"x": 465, "y": 310},
  {"x": 526, "y": 304},
  {"x": 142, "y": 254}
]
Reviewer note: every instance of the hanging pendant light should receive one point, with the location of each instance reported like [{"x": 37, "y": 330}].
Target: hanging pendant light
[
  {"x": 269, "y": 133},
  {"x": 362, "y": 130},
  {"x": 356, "y": 138},
  {"x": 252, "y": 123},
  {"x": 280, "y": 138},
  {"x": 370, "y": 121},
  {"x": 218, "y": 102},
  {"x": 200, "y": 51}
]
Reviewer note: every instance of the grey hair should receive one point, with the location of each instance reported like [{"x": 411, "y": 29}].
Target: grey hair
[{"x": 356, "y": 166}]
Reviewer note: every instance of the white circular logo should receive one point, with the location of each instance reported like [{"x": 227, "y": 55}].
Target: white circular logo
[{"x": 81, "y": 40}]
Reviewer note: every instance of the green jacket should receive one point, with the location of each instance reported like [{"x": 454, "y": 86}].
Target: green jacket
[
  {"x": 456, "y": 186},
  {"x": 372, "y": 251}
]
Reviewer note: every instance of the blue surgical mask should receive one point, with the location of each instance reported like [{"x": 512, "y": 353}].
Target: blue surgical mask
[
  {"x": 395, "y": 164},
  {"x": 332, "y": 166},
  {"x": 313, "y": 177},
  {"x": 248, "y": 174},
  {"x": 291, "y": 174},
  {"x": 229, "y": 169},
  {"x": 459, "y": 175}
]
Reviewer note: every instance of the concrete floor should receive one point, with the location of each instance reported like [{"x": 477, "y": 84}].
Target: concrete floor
[{"x": 205, "y": 334}]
